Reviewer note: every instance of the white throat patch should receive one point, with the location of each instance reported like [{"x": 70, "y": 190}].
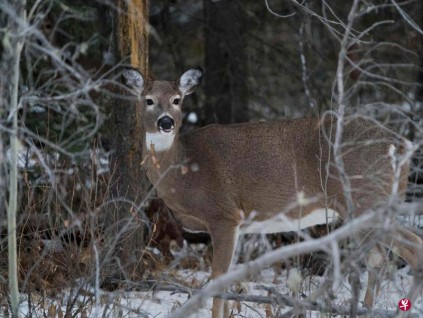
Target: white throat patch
[{"x": 161, "y": 140}]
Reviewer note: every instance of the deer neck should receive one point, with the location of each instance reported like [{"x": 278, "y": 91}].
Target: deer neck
[{"x": 161, "y": 153}]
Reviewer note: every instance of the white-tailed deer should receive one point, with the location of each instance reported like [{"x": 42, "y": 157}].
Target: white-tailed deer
[{"x": 219, "y": 176}]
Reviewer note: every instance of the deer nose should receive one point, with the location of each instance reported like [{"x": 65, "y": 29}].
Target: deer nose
[{"x": 166, "y": 123}]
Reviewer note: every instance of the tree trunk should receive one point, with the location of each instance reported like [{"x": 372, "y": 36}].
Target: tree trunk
[
  {"x": 226, "y": 62},
  {"x": 419, "y": 94},
  {"x": 13, "y": 41},
  {"x": 124, "y": 220}
]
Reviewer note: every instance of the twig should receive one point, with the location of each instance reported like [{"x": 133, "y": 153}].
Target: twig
[
  {"x": 337, "y": 145},
  {"x": 304, "y": 68},
  {"x": 407, "y": 18}
]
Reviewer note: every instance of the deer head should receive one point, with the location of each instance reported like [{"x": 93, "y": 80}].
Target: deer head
[{"x": 161, "y": 103}]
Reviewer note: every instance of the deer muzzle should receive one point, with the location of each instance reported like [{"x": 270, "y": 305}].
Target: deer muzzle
[{"x": 166, "y": 124}]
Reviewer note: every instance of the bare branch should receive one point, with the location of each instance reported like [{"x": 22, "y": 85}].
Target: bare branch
[{"x": 407, "y": 18}]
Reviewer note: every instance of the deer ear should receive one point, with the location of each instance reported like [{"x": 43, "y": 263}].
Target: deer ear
[
  {"x": 190, "y": 80},
  {"x": 134, "y": 80}
]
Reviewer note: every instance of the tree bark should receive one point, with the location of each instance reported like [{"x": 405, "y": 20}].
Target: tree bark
[
  {"x": 124, "y": 220},
  {"x": 226, "y": 62},
  {"x": 419, "y": 94}
]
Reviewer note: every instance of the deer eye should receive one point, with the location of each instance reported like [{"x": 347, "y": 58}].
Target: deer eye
[
  {"x": 176, "y": 101},
  {"x": 149, "y": 102}
]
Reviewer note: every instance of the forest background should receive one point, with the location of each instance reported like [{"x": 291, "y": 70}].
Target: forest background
[{"x": 71, "y": 187}]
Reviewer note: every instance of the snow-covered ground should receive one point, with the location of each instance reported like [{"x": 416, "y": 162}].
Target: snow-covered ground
[
  {"x": 160, "y": 304},
  {"x": 395, "y": 287}
]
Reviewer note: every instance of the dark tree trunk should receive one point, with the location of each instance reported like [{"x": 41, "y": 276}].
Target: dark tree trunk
[
  {"x": 419, "y": 94},
  {"x": 226, "y": 63},
  {"x": 124, "y": 220}
]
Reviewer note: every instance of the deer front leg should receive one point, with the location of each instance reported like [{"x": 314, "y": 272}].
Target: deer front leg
[
  {"x": 375, "y": 263},
  {"x": 224, "y": 238}
]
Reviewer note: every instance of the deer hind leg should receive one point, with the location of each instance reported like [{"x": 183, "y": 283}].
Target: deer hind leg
[
  {"x": 224, "y": 238},
  {"x": 405, "y": 244},
  {"x": 408, "y": 246}
]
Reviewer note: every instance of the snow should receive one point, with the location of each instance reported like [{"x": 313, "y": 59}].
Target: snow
[
  {"x": 192, "y": 118},
  {"x": 25, "y": 158},
  {"x": 159, "y": 304}
]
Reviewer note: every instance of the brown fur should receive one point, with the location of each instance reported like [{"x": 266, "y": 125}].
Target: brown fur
[
  {"x": 214, "y": 177},
  {"x": 165, "y": 228}
]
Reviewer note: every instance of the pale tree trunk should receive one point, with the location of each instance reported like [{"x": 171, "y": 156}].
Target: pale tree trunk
[
  {"x": 226, "y": 62},
  {"x": 13, "y": 41},
  {"x": 128, "y": 179}
]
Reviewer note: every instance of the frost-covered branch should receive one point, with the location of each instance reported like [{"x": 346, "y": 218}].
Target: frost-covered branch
[{"x": 340, "y": 114}]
